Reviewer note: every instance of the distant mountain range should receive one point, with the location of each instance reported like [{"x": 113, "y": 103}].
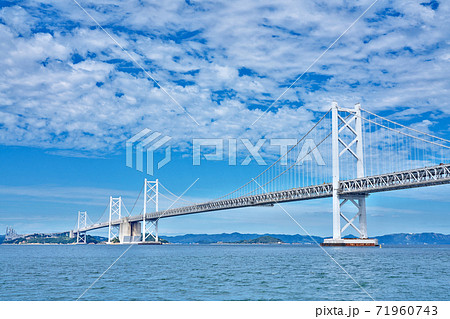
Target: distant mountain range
[
  {"x": 238, "y": 238},
  {"x": 392, "y": 239}
]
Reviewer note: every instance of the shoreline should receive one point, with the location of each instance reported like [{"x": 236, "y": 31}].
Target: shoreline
[{"x": 227, "y": 244}]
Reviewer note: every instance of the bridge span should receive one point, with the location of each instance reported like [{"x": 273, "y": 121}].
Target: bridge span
[
  {"x": 428, "y": 176},
  {"x": 350, "y": 149}
]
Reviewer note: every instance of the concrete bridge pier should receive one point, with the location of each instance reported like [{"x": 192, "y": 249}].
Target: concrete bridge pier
[{"x": 130, "y": 232}]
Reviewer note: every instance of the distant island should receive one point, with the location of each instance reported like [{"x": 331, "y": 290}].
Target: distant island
[
  {"x": 39, "y": 238},
  {"x": 261, "y": 240},
  {"x": 420, "y": 239}
]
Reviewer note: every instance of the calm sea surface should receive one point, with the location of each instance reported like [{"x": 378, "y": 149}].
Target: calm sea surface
[{"x": 223, "y": 272}]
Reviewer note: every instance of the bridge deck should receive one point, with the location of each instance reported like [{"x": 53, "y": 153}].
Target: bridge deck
[{"x": 421, "y": 177}]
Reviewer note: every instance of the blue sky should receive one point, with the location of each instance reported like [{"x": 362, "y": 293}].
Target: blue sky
[{"x": 70, "y": 98}]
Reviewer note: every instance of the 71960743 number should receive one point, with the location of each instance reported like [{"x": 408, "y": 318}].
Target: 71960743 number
[{"x": 407, "y": 310}]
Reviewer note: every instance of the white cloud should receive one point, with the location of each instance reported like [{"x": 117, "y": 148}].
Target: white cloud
[
  {"x": 396, "y": 60},
  {"x": 17, "y": 19}
]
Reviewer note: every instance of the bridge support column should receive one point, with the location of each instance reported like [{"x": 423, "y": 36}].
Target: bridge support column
[
  {"x": 81, "y": 238},
  {"x": 335, "y": 156},
  {"x": 359, "y": 201},
  {"x": 130, "y": 233},
  {"x": 362, "y": 217},
  {"x": 151, "y": 231}
]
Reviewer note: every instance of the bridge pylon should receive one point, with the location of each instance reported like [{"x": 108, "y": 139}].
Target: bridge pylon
[
  {"x": 151, "y": 197},
  {"x": 352, "y": 126},
  {"x": 82, "y": 223},
  {"x": 115, "y": 212}
]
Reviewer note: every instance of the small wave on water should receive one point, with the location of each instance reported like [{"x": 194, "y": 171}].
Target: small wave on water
[{"x": 223, "y": 272}]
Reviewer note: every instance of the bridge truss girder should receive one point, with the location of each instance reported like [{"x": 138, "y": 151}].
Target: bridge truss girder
[
  {"x": 435, "y": 175},
  {"x": 420, "y": 177}
]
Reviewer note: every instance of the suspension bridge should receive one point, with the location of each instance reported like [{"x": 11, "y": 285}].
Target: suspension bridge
[{"x": 367, "y": 153}]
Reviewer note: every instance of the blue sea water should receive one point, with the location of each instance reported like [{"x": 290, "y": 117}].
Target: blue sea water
[{"x": 223, "y": 272}]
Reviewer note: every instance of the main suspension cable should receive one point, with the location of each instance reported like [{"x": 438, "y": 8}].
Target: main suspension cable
[
  {"x": 406, "y": 127},
  {"x": 279, "y": 159}
]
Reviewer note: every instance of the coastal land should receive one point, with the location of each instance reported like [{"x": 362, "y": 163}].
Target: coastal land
[{"x": 411, "y": 239}]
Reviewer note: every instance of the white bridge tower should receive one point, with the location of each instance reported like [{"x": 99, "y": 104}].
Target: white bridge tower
[
  {"x": 353, "y": 126},
  {"x": 82, "y": 223},
  {"x": 115, "y": 212},
  {"x": 151, "y": 197}
]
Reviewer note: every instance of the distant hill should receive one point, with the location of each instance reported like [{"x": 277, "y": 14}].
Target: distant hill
[
  {"x": 261, "y": 240},
  {"x": 209, "y": 239},
  {"x": 392, "y": 239},
  {"x": 297, "y": 239},
  {"x": 52, "y": 239},
  {"x": 414, "y": 239},
  {"x": 237, "y": 237}
]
